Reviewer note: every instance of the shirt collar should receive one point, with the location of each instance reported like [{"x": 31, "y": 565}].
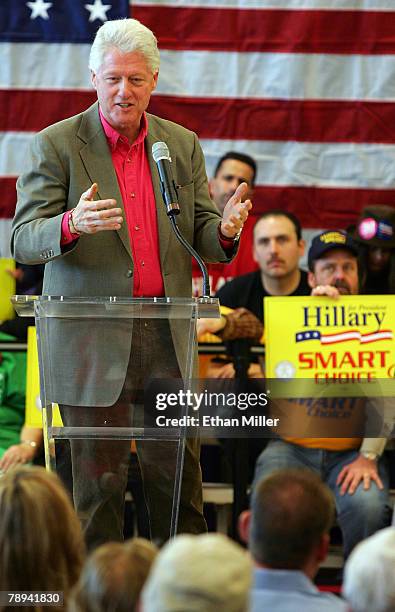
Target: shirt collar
[
  {"x": 113, "y": 136},
  {"x": 286, "y": 580}
]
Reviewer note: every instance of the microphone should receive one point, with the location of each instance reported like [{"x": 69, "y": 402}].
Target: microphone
[{"x": 161, "y": 155}]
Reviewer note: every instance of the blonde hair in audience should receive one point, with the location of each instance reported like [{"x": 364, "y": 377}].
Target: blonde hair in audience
[
  {"x": 41, "y": 541},
  {"x": 203, "y": 573},
  {"x": 369, "y": 574}
]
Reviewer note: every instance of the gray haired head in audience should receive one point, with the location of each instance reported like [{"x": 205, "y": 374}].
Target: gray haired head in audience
[
  {"x": 113, "y": 577},
  {"x": 369, "y": 577},
  {"x": 204, "y": 573}
]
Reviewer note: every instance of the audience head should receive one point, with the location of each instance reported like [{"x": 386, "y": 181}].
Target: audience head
[
  {"x": 126, "y": 36},
  {"x": 375, "y": 227},
  {"x": 375, "y": 233},
  {"x": 41, "y": 542},
  {"x": 278, "y": 244},
  {"x": 232, "y": 169},
  {"x": 369, "y": 576},
  {"x": 333, "y": 260},
  {"x": 204, "y": 573},
  {"x": 113, "y": 577},
  {"x": 287, "y": 527}
]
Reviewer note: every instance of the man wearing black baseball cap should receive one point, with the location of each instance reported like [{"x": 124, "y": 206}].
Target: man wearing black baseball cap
[
  {"x": 350, "y": 466},
  {"x": 375, "y": 235},
  {"x": 333, "y": 264}
]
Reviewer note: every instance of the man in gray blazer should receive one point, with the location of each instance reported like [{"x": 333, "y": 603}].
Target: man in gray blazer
[{"x": 90, "y": 207}]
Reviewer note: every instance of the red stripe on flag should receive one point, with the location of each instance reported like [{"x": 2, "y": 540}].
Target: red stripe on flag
[
  {"x": 297, "y": 120},
  {"x": 314, "y": 206},
  {"x": 8, "y": 197},
  {"x": 26, "y": 110},
  {"x": 224, "y": 118},
  {"x": 270, "y": 30},
  {"x": 323, "y": 207}
]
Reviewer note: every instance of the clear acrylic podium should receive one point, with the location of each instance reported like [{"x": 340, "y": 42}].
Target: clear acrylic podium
[{"x": 95, "y": 357}]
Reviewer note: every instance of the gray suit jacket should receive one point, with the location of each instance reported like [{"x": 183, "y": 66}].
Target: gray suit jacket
[{"x": 66, "y": 158}]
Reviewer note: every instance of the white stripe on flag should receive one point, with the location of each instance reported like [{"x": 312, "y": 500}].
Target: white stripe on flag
[
  {"x": 13, "y": 151},
  {"x": 5, "y": 237},
  {"x": 279, "y": 163},
  {"x": 277, "y": 75},
  {"x": 368, "y": 5},
  {"x": 309, "y": 164},
  {"x": 213, "y": 74},
  {"x": 44, "y": 66}
]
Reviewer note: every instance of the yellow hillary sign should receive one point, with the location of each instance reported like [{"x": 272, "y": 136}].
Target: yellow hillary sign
[
  {"x": 348, "y": 340},
  {"x": 7, "y": 288},
  {"x": 33, "y": 403}
]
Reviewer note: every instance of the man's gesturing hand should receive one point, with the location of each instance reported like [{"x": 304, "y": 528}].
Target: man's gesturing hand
[
  {"x": 235, "y": 212},
  {"x": 91, "y": 216}
]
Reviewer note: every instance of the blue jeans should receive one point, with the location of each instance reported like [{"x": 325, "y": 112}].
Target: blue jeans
[{"x": 359, "y": 515}]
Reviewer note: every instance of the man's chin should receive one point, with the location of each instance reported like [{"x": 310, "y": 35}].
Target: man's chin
[{"x": 275, "y": 272}]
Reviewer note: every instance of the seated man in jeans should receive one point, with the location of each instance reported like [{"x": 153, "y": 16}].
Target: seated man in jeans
[{"x": 350, "y": 466}]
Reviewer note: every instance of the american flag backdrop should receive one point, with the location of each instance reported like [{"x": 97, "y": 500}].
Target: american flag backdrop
[{"x": 307, "y": 87}]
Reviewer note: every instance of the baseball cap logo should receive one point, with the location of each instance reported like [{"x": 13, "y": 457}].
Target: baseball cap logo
[
  {"x": 367, "y": 228},
  {"x": 385, "y": 230},
  {"x": 330, "y": 237}
]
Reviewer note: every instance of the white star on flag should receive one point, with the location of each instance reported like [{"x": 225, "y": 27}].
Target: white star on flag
[
  {"x": 98, "y": 10},
  {"x": 39, "y": 9}
]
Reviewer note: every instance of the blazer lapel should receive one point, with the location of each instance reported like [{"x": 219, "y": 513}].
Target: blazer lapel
[
  {"x": 164, "y": 229},
  {"x": 96, "y": 158}
]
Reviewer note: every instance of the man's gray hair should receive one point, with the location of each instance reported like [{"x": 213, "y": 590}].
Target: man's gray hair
[
  {"x": 126, "y": 35},
  {"x": 369, "y": 576},
  {"x": 204, "y": 573}
]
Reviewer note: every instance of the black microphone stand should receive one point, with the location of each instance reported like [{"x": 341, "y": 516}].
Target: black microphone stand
[
  {"x": 239, "y": 351},
  {"x": 195, "y": 254}
]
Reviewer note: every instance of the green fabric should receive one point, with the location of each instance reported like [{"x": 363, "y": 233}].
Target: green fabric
[{"x": 12, "y": 395}]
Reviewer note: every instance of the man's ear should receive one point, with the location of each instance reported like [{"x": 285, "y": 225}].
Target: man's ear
[
  {"x": 244, "y": 525},
  {"x": 302, "y": 247},
  {"x": 311, "y": 279},
  {"x": 93, "y": 79},
  {"x": 322, "y": 548}
]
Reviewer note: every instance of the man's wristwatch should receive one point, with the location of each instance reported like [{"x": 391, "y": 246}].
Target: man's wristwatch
[
  {"x": 233, "y": 239},
  {"x": 370, "y": 455}
]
